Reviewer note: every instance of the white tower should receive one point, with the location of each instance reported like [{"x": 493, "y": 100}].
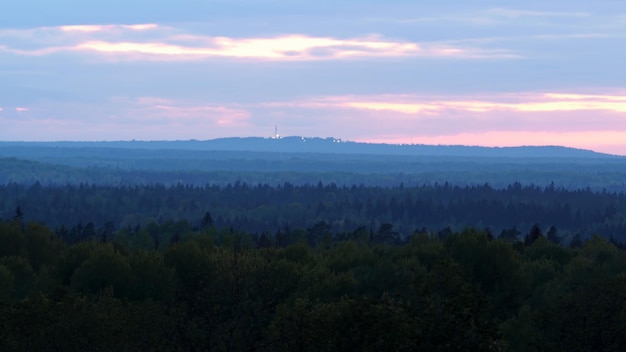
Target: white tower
[{"x": 276, "y": 135}]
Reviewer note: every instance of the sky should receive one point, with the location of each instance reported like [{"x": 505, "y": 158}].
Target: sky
[{"x": 490, "y": 73}]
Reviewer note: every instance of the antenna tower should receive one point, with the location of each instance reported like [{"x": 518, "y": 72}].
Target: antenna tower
[{"x": 276, "y": 136}]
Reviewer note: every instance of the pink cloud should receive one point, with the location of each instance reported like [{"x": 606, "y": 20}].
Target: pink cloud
[
  {"x": 21, "y": 109},
  {"x": 495, "y": 119},
  {"x": 42, "y": 41},
  {"x": 159, "y": 43},
  {"x": 145, "y": 118},
  {"x": 152, "y": 101},
  {"x": 220, "y": 115},
  {"x": 103, "y": 28},
  {"x": 288, "y": 48},
  {"x": 34, "y": 52},
  {"x": 548, "y": 102},
  {"x": 437, "y": 114},
  {"x": 555, "y": 118}
]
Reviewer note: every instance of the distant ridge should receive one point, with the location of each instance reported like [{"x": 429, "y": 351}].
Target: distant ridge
[{"x": 297, "y": 144}]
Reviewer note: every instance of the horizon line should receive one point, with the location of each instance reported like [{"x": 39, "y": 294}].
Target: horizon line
[{"x": 342, "y": 141}]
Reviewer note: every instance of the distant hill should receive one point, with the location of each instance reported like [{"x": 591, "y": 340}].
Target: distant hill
[
  {"x": 304, "y": 160},
  {"x": 299, "y": 144}
]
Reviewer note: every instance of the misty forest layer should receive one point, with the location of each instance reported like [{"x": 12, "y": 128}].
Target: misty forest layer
[{"x": 292, "y": 160}]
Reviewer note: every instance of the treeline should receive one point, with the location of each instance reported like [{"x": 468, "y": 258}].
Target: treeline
[
  {"x": 262, "y": 208},
  {"x": 224, "y": 290}
]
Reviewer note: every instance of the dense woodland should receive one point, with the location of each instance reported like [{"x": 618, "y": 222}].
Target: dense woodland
[
  {"x": 113, "y": 249},
  {"x": 223, "y": 290},
  {"x": 86, "y": 211}
]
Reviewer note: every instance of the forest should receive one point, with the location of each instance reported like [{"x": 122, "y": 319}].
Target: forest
[
  {"x": 224, "y": 290},
  {"x": 172, "y": 247},
  {"x": 81, "y": 212}
]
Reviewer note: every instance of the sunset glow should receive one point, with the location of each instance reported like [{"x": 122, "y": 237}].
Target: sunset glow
[{"x": 524, "y": 102}]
